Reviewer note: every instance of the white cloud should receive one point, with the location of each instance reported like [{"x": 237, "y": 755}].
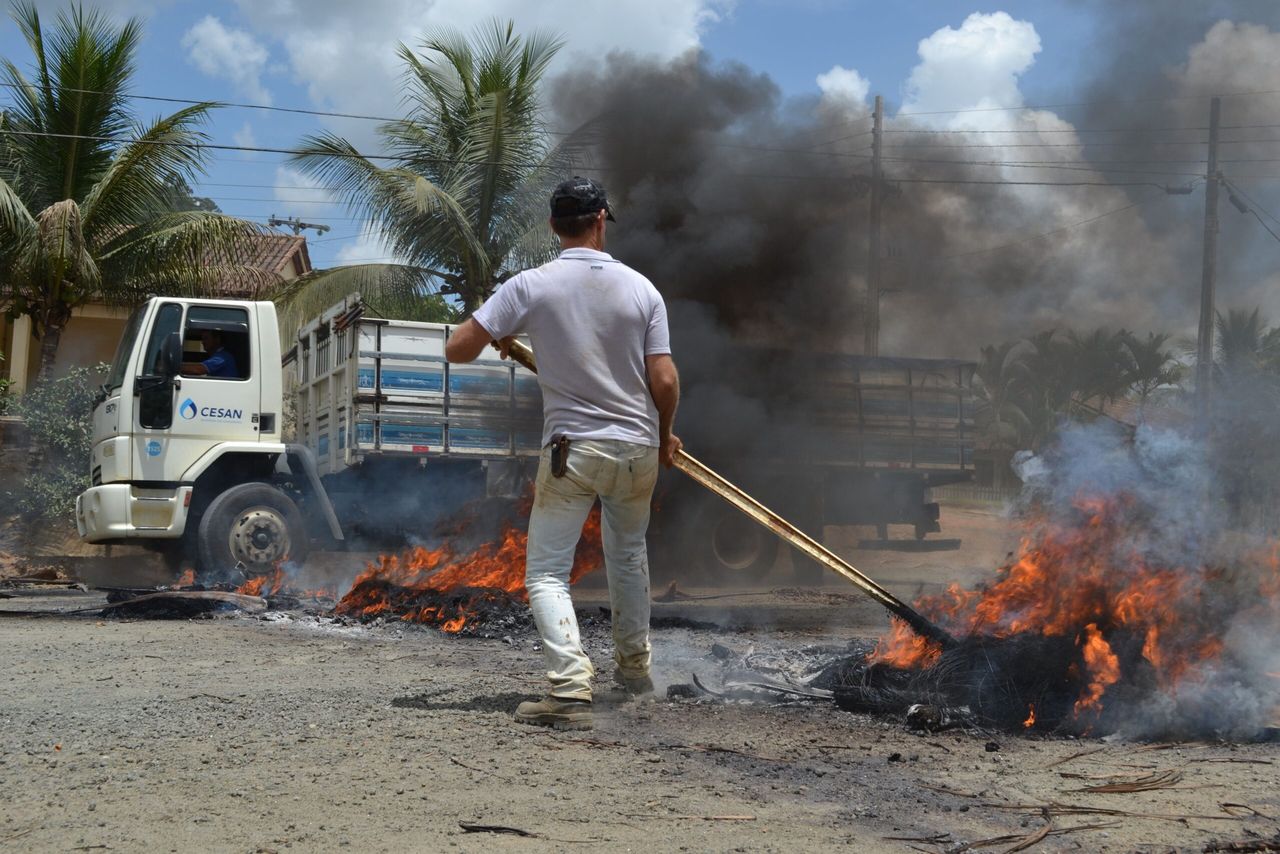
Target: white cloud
[
  {"x": 245, "y": 137},
  {"x": 118, "y": 10},
  {"x": 844, "y": 83},
  {"x": 1232, "y": 57},
  {"x": 345, "y": 53},
  {"x": 976, "y": 66},
  {"x": 233, "y": 55},
  {"x": 293, "y": 186},
  {"x": 368, "y": 248}
]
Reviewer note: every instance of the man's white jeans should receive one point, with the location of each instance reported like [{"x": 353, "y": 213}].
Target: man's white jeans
[{"x": 622, "y": 474}]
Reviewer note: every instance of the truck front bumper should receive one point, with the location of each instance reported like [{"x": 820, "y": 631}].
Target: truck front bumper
[{"x": 119, "y": 511}]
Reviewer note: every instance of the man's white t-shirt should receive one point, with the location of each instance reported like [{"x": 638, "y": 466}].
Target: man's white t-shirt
[{"x": 591, "y": 321}]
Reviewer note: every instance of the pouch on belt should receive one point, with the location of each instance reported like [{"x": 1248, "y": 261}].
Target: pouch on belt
[{"x": 559, "y": 455}]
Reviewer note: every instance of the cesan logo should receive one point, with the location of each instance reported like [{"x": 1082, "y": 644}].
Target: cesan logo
[{"x": 189, "y": 410}]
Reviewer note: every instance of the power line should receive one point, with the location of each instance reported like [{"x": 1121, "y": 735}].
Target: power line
[
  {"x": 1079, "y": 165},
  {"x": 1025, "y": 183},
  {"x": 389, "y": 119},
  {"x": 1116, "y": 101},
  {"x": 376, "y": 118},
  {"x": 358, "y": 155},
  {"x": 1044, "y": 164},
  {"x": 1254, "y": 207},
  {"x": 962, "y": 132},
  {"x": 1059, "y": 130},
  {"x": 1264, "y": 225},
  {"x": 1252, "y": 201},
  {"x": 329, "y": 114},
  {"x": 1196, "y": 142},
  {"x": 294, "y": 151},
  {"x": 213, "y": 103},
  {"x": 1041, "y": 236}
]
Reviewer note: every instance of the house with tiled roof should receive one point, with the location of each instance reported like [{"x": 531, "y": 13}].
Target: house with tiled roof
[{"x": 94, "y": 329}]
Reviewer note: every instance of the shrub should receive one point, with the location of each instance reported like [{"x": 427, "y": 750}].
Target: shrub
[{"x": 59, "y": 418}]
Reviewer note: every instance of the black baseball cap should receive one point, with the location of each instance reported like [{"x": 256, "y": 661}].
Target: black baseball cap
[{"x": 579, "y": 196}]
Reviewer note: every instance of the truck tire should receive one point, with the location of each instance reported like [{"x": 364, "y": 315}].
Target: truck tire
[
  {"x": 735, "y": 548},
  {"x": 252, "y": 524}
]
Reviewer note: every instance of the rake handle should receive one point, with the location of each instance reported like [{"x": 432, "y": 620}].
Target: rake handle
[{"x": 721, "y": 486}]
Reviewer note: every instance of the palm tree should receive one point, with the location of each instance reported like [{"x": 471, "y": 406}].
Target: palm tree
[
  {"x": 995, "y": 384},
  {"x": 463, "y": 199},
  {"x": 1150, "y": 366},
  {"x": 1099, "y": 369},
  {"x": 1048, "y": 384},
  {"x": 86, "y": 211},
  {"x": 1242, "y": 345}
]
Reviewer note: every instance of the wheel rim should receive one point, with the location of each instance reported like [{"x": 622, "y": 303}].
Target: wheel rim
[
  {"x": 259, "y": 537},
  {"x": 736, "y": 542}
]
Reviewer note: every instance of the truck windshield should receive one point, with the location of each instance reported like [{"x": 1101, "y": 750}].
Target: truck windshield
[{"x": 121, "y": 361}]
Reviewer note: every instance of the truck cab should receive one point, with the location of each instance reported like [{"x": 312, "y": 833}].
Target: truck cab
[{"x": 177, "y": 428}]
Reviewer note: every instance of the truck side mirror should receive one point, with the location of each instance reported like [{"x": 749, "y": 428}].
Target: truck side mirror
[{"x": 170, "y": 362}]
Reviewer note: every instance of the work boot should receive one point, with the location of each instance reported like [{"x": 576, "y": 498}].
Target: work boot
[
  {"x": 637, "y": 687},
  {"x": 555, "y": 712}
]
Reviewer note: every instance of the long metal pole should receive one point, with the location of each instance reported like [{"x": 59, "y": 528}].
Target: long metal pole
[
  {"x": 1208, "y": 274},
  {"x": 708, "y": 478},
  {"x": 871, "y": 335}
]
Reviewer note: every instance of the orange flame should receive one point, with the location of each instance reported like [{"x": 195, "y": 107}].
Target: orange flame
[
  {"x": 1103, "y": 667},
  {"x": 1087, "y": 579},
  {"x": 1031, "y": 716},
  {"x": 279, "y": 583},
  {"x": 398, "y": 584}
]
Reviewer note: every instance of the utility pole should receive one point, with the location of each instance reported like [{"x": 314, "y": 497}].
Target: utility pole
[
  {"x": 1208, "y": 272},
  {"x": 871, "y": 336},
  {"x": 296, "y": 224}
]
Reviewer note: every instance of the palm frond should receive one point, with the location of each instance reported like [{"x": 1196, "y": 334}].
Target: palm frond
[
  {"x": 65, "y": 121},
  {"x": 424, "y": 221},
  {"x": 16, "y": 222},
  {"x": 134, "y": 186},
  {"x": 187, "y": 252},
  {"x": 389, "y": 290}
]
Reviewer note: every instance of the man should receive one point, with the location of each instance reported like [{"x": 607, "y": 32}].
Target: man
[
  {"x": 609, "y": 389},
  {"x": 219, "y": 361}
]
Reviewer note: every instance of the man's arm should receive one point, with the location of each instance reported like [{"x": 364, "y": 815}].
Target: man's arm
[
  {"x": 194, "y": 369},
  {"x": 664, "y": 387},
  {"x": 467, "y": 342}
]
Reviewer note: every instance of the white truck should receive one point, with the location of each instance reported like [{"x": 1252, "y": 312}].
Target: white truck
[{"x": 386, "y": 432}]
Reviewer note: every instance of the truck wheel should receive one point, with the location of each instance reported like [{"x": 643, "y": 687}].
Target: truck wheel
[
  {"x": 253, "y": 524},
  {"x": 734, "y": 546}
]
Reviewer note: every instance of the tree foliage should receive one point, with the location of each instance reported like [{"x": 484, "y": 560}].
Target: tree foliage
[
  {"x": 463, "y": 200},
  {"x": 92, "y": 205},
  {"x": 1025, "y": 389}
]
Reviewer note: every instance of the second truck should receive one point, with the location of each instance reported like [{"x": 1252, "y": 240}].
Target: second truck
[{"x": 386, "y": 435}]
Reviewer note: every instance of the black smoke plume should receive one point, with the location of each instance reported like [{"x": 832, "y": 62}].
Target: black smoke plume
[{"x": 756, "y": 206}]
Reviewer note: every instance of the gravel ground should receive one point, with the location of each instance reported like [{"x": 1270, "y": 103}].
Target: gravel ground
[{"x": 247, "y": 734}]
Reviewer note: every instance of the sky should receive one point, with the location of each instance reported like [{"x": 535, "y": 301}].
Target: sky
[
  {"x": 942, "y": 66},
  {"x": 333, "y": 55}
]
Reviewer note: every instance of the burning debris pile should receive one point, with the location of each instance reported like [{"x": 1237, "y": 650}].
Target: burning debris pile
[
  {"x": 1127, "y": 608},
  {"x": 461, "y": 589}
]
